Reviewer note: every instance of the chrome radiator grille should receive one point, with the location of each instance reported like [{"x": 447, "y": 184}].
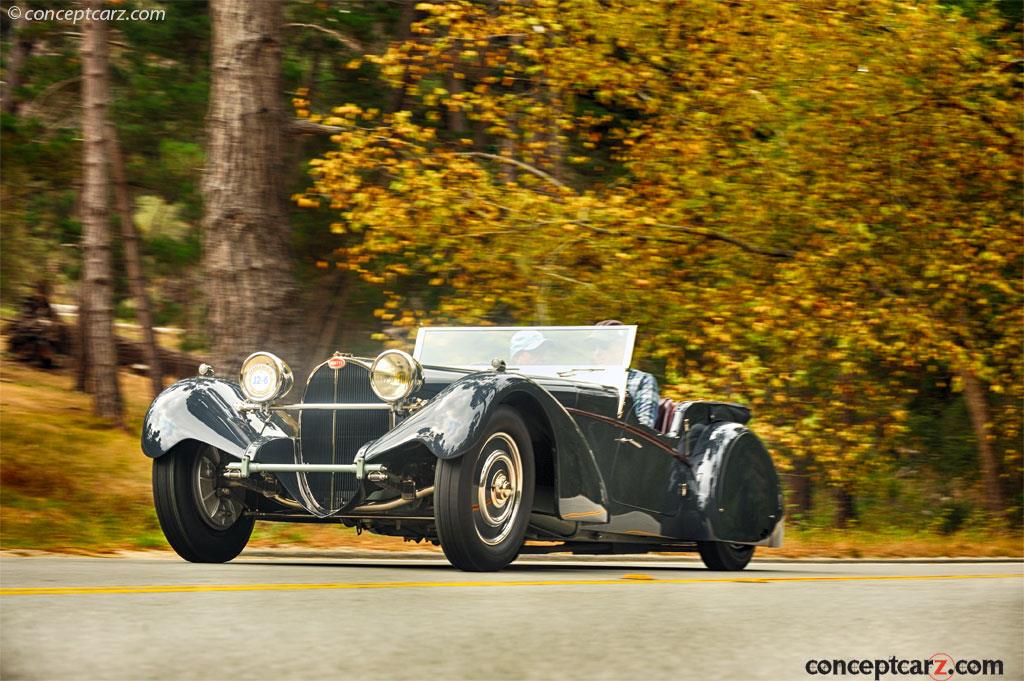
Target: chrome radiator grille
[{"x": 334, "y": 437}]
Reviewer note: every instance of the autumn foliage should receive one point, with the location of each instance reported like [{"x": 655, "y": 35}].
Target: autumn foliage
[{"x": 809, "y": 207}]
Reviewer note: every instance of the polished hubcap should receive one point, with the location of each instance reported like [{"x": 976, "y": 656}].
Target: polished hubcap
[
  {"x": 499, "y": 488},
  {"x": 217, "y": 504}
]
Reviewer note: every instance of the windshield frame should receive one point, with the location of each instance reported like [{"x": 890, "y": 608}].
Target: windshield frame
[
  {"x": 630, "y": 330},
  {"x": 608, "y": 376}
]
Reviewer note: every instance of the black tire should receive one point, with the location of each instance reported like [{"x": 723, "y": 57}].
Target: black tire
[
  {"x": 725, "y": 557},
  {"x": 464, "y": 525},
  {"x": 196, "y": 535}
]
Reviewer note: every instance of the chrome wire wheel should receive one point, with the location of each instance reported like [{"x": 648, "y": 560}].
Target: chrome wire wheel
[
  {"x": 217, "y": 505},
  {"x": 499, "y": 488},
  {"x": 482, "y": 499}
]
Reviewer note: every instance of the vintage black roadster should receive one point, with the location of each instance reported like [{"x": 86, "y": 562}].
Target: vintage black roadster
[{"x": 490, "y": 441}]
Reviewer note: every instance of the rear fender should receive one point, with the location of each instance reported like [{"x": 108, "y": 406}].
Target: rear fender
[
  {"x": 206, "y": 410},
  {"x": 454, "y": 421},
  {"x": 739, "y": 497}
]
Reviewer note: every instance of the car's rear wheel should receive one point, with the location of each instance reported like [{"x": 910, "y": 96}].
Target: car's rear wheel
[
  {"x": 203, "y": 520},
  {"x": 725, "y": 557},
  {"x": 482, "y": 500}
]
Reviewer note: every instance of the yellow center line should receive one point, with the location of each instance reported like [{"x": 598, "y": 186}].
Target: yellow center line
[{"x": 627, "y": 580}]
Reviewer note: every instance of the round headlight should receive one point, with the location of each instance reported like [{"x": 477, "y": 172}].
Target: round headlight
[
  {"x": 394, "y": 375},
  {"x": 264, "y": 377}
]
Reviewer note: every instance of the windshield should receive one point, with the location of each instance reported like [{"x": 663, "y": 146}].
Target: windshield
[{"x": 597, "y": 354}]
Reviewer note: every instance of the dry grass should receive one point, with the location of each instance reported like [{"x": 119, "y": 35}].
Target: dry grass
[
  {"x": 71, "y": 482},
  {"x": 897, "y": 543},
  {"x": 68, "y": 479}
]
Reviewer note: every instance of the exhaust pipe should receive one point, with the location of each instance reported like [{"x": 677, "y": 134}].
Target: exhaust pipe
[{"x": 388, "y": 505}]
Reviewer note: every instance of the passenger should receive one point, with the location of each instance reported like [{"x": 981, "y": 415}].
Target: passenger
[
  {"x": 640, "y": 385},
  {"x": 529, "y": 348}
]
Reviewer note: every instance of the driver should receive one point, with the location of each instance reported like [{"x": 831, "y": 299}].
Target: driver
[
  {"x": 640, "y": 385},
  {"x": 530, "y": 347}
]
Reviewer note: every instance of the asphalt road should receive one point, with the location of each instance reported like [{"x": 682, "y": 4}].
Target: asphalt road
[{"x": 262, "y": 618}]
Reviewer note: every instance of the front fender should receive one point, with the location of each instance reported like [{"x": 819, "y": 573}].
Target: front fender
[
  {"x": 203, "y": 409},
  {"x": 454, "y": 422}
]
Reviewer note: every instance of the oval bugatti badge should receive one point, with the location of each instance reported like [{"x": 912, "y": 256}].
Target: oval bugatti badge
[{"x": 336, "y": 363}]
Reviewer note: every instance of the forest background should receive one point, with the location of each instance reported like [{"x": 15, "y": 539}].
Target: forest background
[{"x": 812, "y": 208}]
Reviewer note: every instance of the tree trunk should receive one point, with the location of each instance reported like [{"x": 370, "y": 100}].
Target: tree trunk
[
  {"x": 802, "y": 490},
  {"x": 314, "y": 70},
  {"x": 555, "y": 151},
  {"x": 250, "y": 287},
  {"x": 507, "y": 171},
  {"x": 96, "y": 275},
  {"x": 133, "y": 262},
  {"x": 846, "y": 509},
  {"x": 402, "y": 33},
  {"x": 456, "y": 117},
  {"x": 977, "y": 408},
  {"x": 331, "y": 314},
  {"x": 82, "y": 383},
  {"x": 21, "y": 48}
]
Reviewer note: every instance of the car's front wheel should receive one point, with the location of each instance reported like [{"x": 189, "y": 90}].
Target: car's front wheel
[
  {"x": 482, "y": 500},
  {"x": 203, "y": 520},
  {"x": 725, "y": 557}
]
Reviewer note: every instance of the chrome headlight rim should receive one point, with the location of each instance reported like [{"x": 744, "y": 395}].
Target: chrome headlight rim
[
  {"x": 415, "y": 372},
  {"x": 282, "y": 377}
]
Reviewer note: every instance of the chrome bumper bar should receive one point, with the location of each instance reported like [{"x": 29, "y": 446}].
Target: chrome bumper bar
[
  {"x": 316, "y": 406},
  {"x": 243, "y": 468},
  {"x": 330, "y": 406}
]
